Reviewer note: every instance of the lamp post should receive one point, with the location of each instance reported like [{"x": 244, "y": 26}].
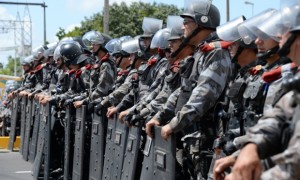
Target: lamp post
[{"x": 252, "y": 4}]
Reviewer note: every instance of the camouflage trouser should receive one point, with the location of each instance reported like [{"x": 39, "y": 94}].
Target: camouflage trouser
[
  {"x": 288, "y": 164},
  {"x": 198, "y": 156}
]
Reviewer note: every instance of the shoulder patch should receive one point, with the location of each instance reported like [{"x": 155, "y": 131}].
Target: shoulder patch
[
  {"x": 105, "y": 58},
  {"x": 215, "y": 45}
]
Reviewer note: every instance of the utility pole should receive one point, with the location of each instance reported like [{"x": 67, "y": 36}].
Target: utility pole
[
  {"x": 106, "y": 17},
  {"x": 227, "y": 10}
]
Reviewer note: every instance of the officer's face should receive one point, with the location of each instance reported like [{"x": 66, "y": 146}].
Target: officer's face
[
  {"x": 146, "y": 42},
  {"x": 294, "y": 48},
  {"x": 264, "y": 45},
  {"x": 26, "y": 68},
  {"x": 233, "y": 49},
  {"x": 74, "y": 67},
  {"x": 59, "y": 63},
  {"x": 189, "y": 25},
  {"x": 174, "y": 44},
  {"x": 284, "y": 38},
  {"x": 95, "y": 47},
  {"x": 125, "y": 62}
]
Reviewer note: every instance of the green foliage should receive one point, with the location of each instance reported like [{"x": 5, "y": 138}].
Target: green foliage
[
  {"x": 61, "y": 33},
  {"x": 123, "y": 19},
  {"x": 9, "y": 68}
]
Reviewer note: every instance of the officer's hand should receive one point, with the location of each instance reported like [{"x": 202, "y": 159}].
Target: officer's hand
[
  {"x": 24, "y": 93},
  {"x": 111, "y": 111},
  {"x": 39, "y": 96},
  {"x": 14, "y": 93},
  {"x": 150, "y": 125},
  {"x": 247, "y": 165},
  {"x": 77, "y": 104},
  {"x": 166, "y": 131},
  {"x": 30, "y": 95},
  {"x": 221, "y": 165},
  {"x": 97, "y": 109},
  {"x": 122, "y": 115},
  {"x": 45, "y": 100}
]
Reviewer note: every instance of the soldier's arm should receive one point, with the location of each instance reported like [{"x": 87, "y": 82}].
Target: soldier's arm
[
  {"x": 118, "y": 94},
  {"x": 211, "y": 83},
  {"x": 166, "y": 112},
  {"x": 156, "y": 103},
  {"x": 106, "y": 81},
  {"x": 127, "y": 102},
  {"x": 267, "y": 133}
]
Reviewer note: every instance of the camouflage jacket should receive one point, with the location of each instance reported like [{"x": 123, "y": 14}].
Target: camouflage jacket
[
  {"x": 117, "y": 95},
  {"x": 204, "y": 78},
  {"x": 150, "y": 76},
  {"x": 102, "y": 78},
  {"x": 169, "y": 84},
  {"x": 28, "y": 82},
  {"x": 78, "y": 84},
  {"x": 288, "y": 162},
  {"x": 267, "y": 133}
]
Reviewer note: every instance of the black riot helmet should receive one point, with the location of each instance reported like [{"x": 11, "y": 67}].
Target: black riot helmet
[
  {"x": 204, "y": 13},
  {"x": 72, "y": 53}
]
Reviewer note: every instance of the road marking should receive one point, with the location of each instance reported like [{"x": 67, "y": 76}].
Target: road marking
[{"x": 23, "y": 172}]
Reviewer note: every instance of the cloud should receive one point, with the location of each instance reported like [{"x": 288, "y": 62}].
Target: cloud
[
  {"x": 71, "y": 27},
  {"x": 4, "y": 15}
]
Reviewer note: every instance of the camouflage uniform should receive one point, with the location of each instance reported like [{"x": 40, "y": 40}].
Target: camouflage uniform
[
  {"x": 102, "y": 78},
  {"x": 268, "y": 133},
  {"x": 117, "y": 95},
  {"x": 288, "y": 162},
  {"x": 159, "y": 96},
  {"x": 150, "y": 76},
  {"x": 204, "y": 78}
]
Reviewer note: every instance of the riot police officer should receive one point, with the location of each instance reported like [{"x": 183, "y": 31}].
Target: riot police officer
[{"x": 188, "y": 108}]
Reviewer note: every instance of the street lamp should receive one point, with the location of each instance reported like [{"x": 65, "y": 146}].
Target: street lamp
[{"x": 250, "y": 3}]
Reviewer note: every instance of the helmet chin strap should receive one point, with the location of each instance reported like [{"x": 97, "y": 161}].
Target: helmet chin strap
[
  {"x": 285, "y": 49},
  {"x": 185, "y": 42},
  {"x": 267, "y": 54},
  {"x": 118, "y": 65},
  {"x": 133, "y": 63}
]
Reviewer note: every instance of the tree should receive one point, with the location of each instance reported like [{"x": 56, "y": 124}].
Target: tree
[
  {"x": 9, "y": 68},
  {"x": 61, "y": 33},
  {"x": 124, "y": 19}
]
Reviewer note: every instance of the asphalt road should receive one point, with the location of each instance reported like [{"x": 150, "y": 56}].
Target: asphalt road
[{"x": 13, "y": 167}]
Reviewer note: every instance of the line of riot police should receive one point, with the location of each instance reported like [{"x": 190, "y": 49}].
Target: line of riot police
[{"x": 173, "y": 103}]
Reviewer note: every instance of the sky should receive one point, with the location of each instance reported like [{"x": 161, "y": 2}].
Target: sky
[{"x": 69, "y": 13}]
